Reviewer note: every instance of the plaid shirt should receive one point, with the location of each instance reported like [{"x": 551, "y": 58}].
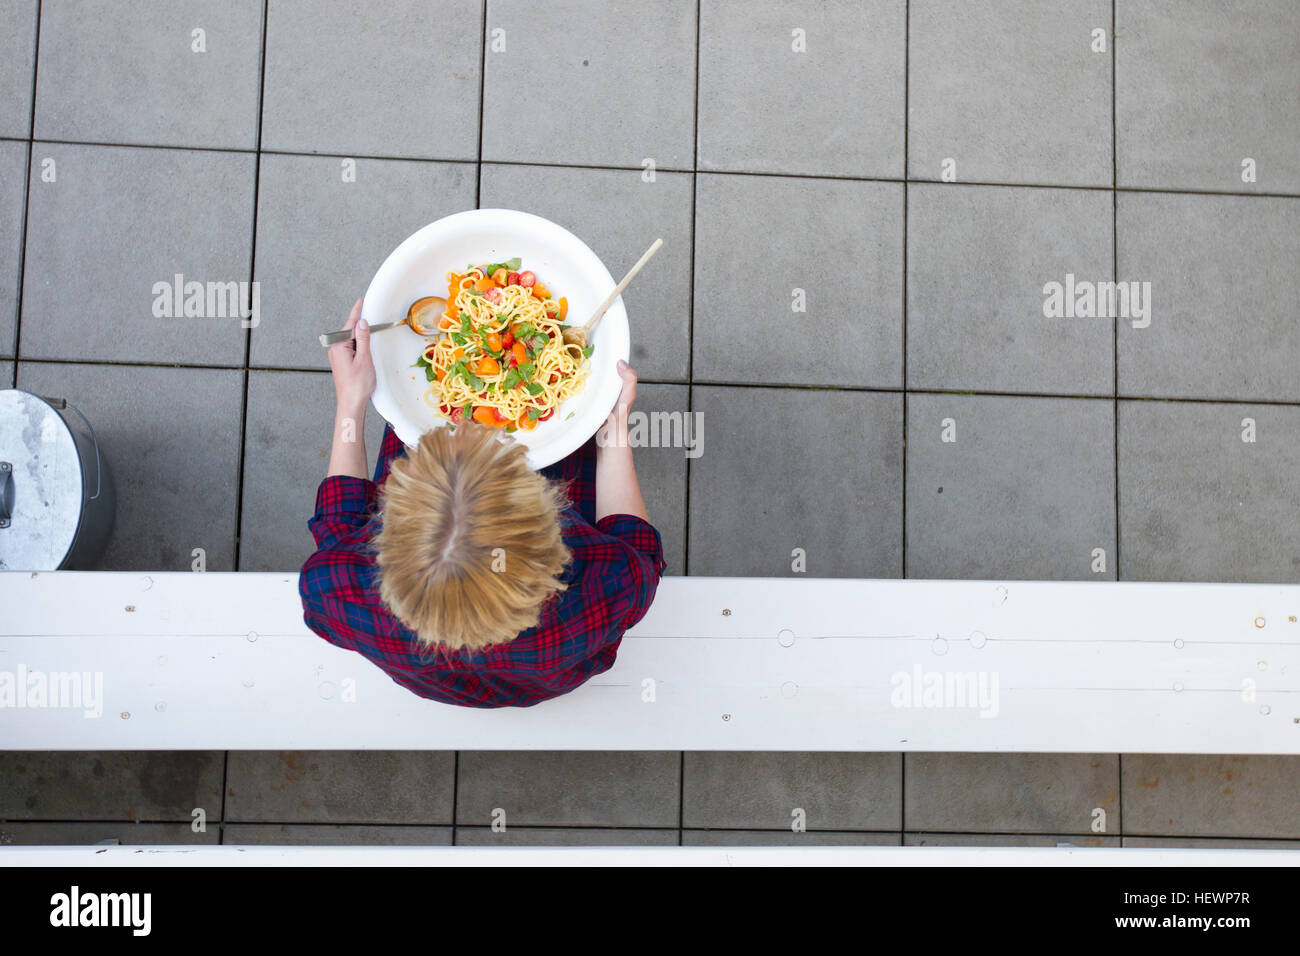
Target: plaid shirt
[{"x": 615, "y": 568}]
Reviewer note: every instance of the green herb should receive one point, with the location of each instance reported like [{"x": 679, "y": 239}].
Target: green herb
[
  {"x": 511, "y": 379},
  {"x": 511, "y": 428},
  {"x": 534, "y": 413},
  {"x": 586, "y": 352},
  {"x": 527, "y": 370},
  {"x": 461, "y": 369},
  {"x": 535, "y": 389},
  {"x": 428, "y": 373},
  {"x": 570, "y": 415},
  {"x": 458, "y": 338}
]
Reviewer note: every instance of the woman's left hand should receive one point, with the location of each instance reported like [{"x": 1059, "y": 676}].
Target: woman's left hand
[{"x": 354, "y": 371}]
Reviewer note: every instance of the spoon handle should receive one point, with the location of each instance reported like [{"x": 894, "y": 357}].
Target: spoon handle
[{"x": 618, "y": 289}]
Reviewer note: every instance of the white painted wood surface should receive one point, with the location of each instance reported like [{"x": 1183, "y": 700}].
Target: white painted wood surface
[
  {"x": 115, "y": 856},
  {"x": 214, "y": 661}
]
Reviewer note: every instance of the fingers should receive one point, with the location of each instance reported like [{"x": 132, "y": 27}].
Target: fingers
[
  {"x": 354, "y": 316},
  {"x": 628, "y": 395},
  {"x": 340, "y": 351},
  {"x": 362, "y": 336}
]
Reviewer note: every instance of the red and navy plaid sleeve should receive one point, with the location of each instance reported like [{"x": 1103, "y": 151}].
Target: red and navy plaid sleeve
[
  {"x": 645, "y": 561},
  {"x": 344, "y": 504},
  {"x": 614, "y": 570}
]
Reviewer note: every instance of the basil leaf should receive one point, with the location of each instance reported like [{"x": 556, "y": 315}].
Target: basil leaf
[
  {"x": 586, "y": 352},
  {"x": 527, "y": 370},
  {"x": 570, "y": 415},
  {"x": 513, "y": 264},
  {"x": 428, "y": 373},
  {"x": 535, "y": 389},
  {"x": 511, "y": 428},
  {"x": 474, "y": 381},
  {"x": 534, "y": 413}
]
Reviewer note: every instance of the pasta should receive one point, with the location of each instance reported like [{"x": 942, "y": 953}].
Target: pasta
[{"x": 499, "y": 356}]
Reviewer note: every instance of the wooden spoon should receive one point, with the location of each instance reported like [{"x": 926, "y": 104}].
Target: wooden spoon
[
  {"x": 581, "y": 335},
  {"x": 423, "y": 317}
]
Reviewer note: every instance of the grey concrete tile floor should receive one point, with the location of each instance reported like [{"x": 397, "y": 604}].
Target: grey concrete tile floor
[{"x": 895, "y": 182}]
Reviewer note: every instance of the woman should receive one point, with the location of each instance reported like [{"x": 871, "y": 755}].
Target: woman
[{"x": 464, "y": 575}]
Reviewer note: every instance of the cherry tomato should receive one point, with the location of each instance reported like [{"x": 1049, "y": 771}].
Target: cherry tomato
[
  {"x": 494, "y": 341},
  {"x": 526, "y": 279},
  {"x": 520, "y": 353},
  {"x": 493, "y": 295},
  {"x": 547, "y": 414},
  {"x": 512, "y": 278},
  {"x": 507, "y": 339},
  {"x": 487, "y": 415}
]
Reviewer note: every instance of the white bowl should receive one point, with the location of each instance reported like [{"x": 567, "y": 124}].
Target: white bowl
[{"x": 419, "y": 266}]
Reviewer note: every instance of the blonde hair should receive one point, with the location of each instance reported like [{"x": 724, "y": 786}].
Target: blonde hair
[{"x": 470, "y": 545}]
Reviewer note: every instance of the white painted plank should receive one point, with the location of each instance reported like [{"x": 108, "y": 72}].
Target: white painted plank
[
  {"x": 148, "y": 856},
  {"x": 223, "y": 661}
]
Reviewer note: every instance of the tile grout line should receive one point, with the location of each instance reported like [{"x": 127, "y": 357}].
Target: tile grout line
[
  {"x": 907, "y": 67},
  {"x": 389, "y": 825},
  {"x": 690, "y": 383},
  {"x": 907, "y": 71},
  {"x": 252, "y": 277},
  {"x": 1114, "y": 251},
  {"x": 690, "y": 306},
  {"x": 27, "y": 198},
  {"x": 247, "y": 374},
  {"x": 718, "y": 383},
  {"x": 455, "y": 796},
  {"x": 225, "y": 783},
  {"x": 1165, "y": 190},
  {"x": 482, "y": 92}
]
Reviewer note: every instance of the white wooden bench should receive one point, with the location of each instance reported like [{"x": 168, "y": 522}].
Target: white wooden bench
[{"x": 223, "y": 661}]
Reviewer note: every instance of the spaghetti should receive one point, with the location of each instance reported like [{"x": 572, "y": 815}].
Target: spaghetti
[{"x": 499, "y": 357}]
